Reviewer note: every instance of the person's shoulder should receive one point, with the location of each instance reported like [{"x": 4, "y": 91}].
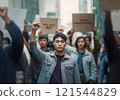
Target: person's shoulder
[
  {"x": 74, "y": 56},
  {"x": 88, "y": 53}
]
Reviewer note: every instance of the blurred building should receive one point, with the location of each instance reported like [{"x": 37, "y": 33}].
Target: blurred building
[
  {"x": 61, "y": 9},
  {"x": 32, "y": 7}
]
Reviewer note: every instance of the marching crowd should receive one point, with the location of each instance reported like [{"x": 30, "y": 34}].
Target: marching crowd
[{"x": 27, "y": 60}]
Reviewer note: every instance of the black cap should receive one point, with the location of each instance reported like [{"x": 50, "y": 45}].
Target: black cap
[{"x": 43, "y": 36}]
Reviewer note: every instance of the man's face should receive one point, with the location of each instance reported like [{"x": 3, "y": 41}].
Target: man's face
[
  {"x": 81, "y": 43},
  {"x": 88, "y": 41},
  {"x": 5, "y": 43},
  {"x": 43, "y": 42},
  {"x": 59, "y": 44}
]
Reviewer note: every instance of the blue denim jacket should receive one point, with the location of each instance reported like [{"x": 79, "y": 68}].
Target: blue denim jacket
[
  {"x": 103, "y": 72},
  {"x": 89, "y": 65},
  {"x": 69, "y": 68}
]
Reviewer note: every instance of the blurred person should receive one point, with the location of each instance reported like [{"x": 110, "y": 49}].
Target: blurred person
[
  {"x": 57, "y": 67},
  {"x": 85, "y": 61},
  {"x": 70, "y": 36},
  {"x": 6, "y": 41},
  {"x": 1, "y": 37},
  {"x": 9, "y": 56},
  {"x": 112, "y": 50},
  {"x": 104, "y": 70},
  {"x": 43, "y": 42},
  {"x": 100, "y": 58},
  {"x": 23, "y": 71},
  {"x": 97, "y": 45},
  {"x": 25, "y": 31},
  {"x": 88, "y": 41},
  {"x": 75, "y": 36}
]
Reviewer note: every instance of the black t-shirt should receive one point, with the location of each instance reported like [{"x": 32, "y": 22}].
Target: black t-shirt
[{"x": 56, "y": 77}]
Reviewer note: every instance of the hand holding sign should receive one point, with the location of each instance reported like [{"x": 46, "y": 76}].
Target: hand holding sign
[
  {"x": 94, "y": 30},
  {"x": 59, "y": 31}
]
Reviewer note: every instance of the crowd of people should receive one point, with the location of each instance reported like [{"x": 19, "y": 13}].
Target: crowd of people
[{"x": 27, "y": 60}]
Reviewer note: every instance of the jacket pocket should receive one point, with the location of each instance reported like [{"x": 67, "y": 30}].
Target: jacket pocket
[
  {"x": 69, "y": 67},
  {"x": 69, "y": 72},
  {"x": 47, "y": 63}
]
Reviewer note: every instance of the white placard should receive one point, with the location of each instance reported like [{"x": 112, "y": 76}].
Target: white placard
[{"x": 17, "y": 15}]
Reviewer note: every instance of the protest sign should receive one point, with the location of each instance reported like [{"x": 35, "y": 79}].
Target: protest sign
[
  {"x": 17, "y": 15},
  {"x": 48, "y": 25},
  {"x": 4, "y": 3},
  {"x": 111, "y": 5},
  {"x": 83, "y": 22},
  {"x": 115, "y": 17}
]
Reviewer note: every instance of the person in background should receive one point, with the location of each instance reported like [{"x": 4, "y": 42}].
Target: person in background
[
  {"x": 70, "y": 35},
  {"x": 85, "y": 61},
  {"x": 25, "y": 31},
  {"x": 10, "y": 55},
  {"x": 112, "y": 51},
  {"x": 88, "y": 41},
  {"x": 104, "y": 70},
  {"x": 43, "y": 42},
  {"x": 6, "y": 41},
  {"x": 1, "y": 37},
  {"x": 97, "y": 45}
]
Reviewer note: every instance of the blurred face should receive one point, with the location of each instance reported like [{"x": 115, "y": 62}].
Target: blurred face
[
  {"x": 88, "y": 41},
  {"x": 59, "y": 44},
  {"x": 81, "y": 44},
  {"x": 5, "y": 43},
  {"x": 43, "y": 42}
]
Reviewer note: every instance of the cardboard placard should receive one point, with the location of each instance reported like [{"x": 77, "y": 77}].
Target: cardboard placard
[
  {"x": 83, "y": 22},
  {"x": 4, "y": 3},
  {"x": 48, "y": 25},
  {"x": 115, "y": 17},
  {"x": 17, "y": 15},
  {"x": 111, "y": 5}
]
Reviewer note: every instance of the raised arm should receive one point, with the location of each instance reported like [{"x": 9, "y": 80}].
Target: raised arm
[
  {"x": 16, "y": 46},
  {"x": 38, "y": 53}
]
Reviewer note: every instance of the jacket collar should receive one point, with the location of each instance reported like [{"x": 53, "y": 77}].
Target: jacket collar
[
  {"x": 86, "y": 52},
  {"x": 66, "y": 56}
]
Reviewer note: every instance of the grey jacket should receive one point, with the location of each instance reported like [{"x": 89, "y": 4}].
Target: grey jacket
[
  {"x": 69, "y": 68},
  {"x": 89, "y": 65}
]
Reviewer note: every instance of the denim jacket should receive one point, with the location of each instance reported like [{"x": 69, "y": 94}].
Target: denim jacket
[
  {"x": 89, "y": 65},
  {"x": 69, "y": 68}
]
